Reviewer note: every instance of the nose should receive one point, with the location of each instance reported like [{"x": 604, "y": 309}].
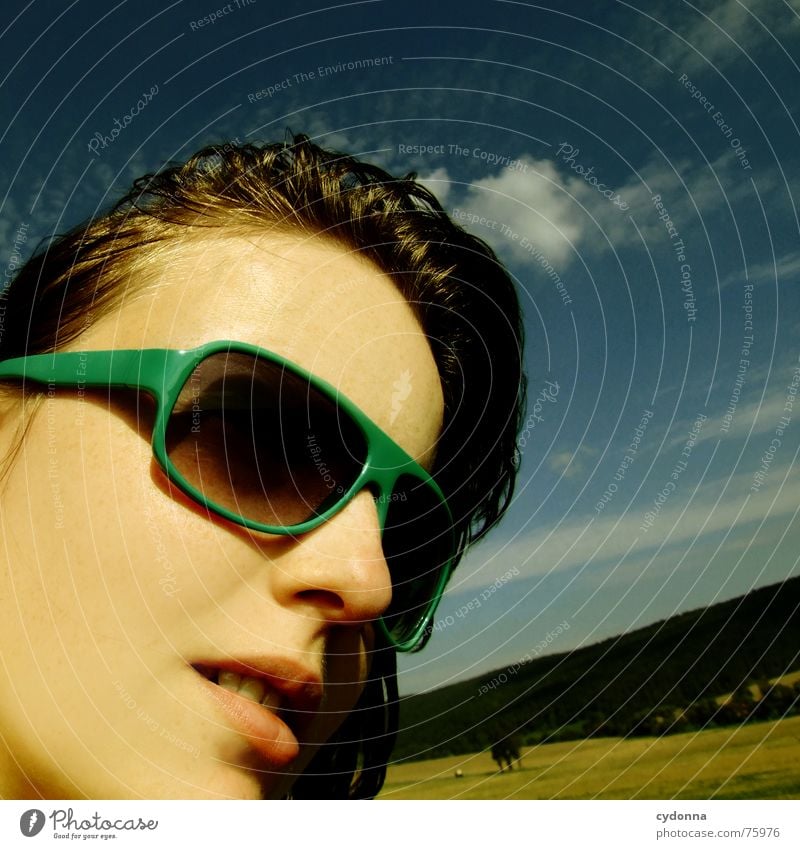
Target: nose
[{"x": 337, "y": 572}]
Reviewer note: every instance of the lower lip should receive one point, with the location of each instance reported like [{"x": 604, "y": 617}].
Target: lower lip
[{"x": 266, "y": 733}]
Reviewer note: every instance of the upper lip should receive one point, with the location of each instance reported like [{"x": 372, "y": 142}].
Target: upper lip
[{"x": 300, "y": 688}]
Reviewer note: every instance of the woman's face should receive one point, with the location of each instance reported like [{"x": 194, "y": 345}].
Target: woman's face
[{"x": 115, "y": 588}]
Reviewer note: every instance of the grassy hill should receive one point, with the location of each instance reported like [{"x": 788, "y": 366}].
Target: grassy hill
[
  {"x": 614, "y": 687},
  {"x": 757, "y": 761}
]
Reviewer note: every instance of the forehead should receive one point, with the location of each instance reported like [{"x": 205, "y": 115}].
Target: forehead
[{"x": 306, "y": 298}]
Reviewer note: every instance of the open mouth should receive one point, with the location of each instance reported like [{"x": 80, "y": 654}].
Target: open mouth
[
  {"x": 256, "y": 706},
  {"x": 265, "y": 696},
  {"x": 247, "y": 686}
]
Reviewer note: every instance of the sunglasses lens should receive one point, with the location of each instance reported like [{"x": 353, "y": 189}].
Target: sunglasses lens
[
  {"x": 265, "y": 445},
  {"x": 262, "y": 442},
  {"x": 418, "y": 546}
]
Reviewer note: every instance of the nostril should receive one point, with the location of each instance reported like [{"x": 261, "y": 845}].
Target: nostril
[{"x": 322, "y": 598}]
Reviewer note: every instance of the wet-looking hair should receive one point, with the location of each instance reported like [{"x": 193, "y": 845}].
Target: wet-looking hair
[{"x": 462, "y": 296}]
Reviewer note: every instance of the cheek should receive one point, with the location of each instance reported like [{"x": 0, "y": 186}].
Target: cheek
[
  {"x": 93, "y": 546},
  {"x": 100, "y": 572}
]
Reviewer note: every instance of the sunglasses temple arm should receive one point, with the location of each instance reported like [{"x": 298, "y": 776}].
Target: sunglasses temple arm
[{"x": 147, "y": 370}]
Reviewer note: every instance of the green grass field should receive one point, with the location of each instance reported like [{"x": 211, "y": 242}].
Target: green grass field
[{"x": 757, "y": 761}]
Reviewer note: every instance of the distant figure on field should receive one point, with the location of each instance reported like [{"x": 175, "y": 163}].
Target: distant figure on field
[{"x": 506, "y": 752}]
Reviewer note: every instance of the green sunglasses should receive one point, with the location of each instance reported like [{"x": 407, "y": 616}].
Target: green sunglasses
[{"x": 258, "y": 440}]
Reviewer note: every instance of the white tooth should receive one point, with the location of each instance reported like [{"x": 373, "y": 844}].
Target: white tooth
[
  {"x": 272, "y": 700},
  {"x": 230, "y": 680},
  {"x": 252, "y": 688}
]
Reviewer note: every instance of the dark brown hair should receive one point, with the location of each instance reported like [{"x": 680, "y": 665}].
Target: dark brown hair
[{"x": 463, "y": 298}]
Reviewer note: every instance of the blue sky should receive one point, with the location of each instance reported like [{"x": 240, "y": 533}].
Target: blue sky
[{"x": 633, "y": 165}]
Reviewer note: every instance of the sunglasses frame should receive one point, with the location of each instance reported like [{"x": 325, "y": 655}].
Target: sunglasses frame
[{"x": 162, "y": 373}]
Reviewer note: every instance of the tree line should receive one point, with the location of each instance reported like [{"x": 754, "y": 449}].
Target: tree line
[{"x": 705, "y": 667}]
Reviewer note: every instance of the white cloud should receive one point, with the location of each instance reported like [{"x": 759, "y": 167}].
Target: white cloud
[
  {"x": 752, "y": 417},
  {"x": 570, "y": 464},
  {"x": 690, "y": 192},
  {"x": 786, "y": 269},
  {"x": 438, "y": 182},
  {"x": 717, "y": 33},
  {"x": 525, "y": 209},
  {"x": 545, "y": 211},
  {"x": 716, "y": 507}
]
